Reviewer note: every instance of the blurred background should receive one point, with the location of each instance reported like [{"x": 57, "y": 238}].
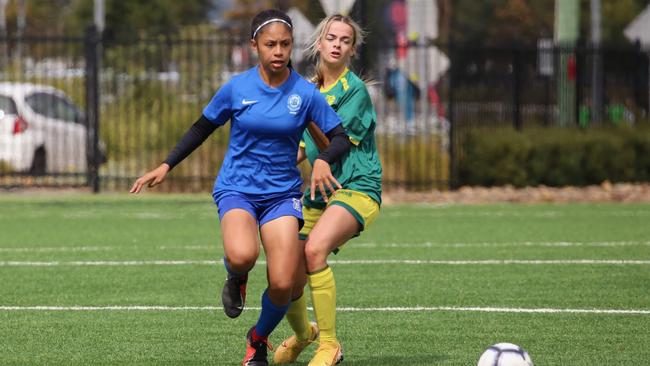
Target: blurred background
[{"x": 501, "y": 92}]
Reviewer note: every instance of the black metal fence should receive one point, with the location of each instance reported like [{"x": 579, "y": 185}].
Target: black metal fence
[
  {"x": 545, "y": 87},
  {"x": 128, "y": 102}
]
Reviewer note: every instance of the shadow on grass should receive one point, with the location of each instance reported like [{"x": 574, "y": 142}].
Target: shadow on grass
[{"x": 423, "y": 360}]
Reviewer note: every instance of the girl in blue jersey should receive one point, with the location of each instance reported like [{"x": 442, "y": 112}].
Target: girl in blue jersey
[{"x": 258, "y": 186}]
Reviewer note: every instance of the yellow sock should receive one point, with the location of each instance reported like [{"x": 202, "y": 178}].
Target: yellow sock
[
  {"x": 298, "y": 319},
  {"x": 323, "y": 297}
]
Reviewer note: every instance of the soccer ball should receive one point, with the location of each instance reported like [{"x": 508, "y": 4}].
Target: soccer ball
[{"x": 505, "y": 354}]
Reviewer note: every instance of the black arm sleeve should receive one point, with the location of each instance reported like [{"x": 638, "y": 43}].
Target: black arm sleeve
[
  {"x": 339, "y": 145},
  {"x": 192, "y": 139}
]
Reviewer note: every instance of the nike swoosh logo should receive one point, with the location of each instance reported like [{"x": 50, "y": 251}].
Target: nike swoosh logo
[{"x": 247, "y": 102}]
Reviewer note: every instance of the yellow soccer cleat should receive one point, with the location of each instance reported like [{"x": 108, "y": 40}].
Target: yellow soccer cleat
[
  {"x": 290, "y": 349},
  {"x": 327, "y": 354}
]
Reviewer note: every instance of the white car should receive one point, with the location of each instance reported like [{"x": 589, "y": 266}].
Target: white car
[{"x": 41, "y": 130}]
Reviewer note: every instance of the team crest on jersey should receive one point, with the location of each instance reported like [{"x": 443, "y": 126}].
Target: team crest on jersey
[
  {"x": 330, "y": 99},
  {"x": 297, "y": 205},
  {"x": 293, "y": 103},
  {"x": 344, "y": 81}
]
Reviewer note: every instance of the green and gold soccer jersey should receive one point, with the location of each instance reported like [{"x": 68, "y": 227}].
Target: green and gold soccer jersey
[{"x": 360, "y": 170}]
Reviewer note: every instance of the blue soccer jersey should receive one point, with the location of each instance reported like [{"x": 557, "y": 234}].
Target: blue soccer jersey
[{"x": 266, "y": 126}]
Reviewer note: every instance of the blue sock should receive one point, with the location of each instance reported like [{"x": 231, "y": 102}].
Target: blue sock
[{"x": 270, "y": 316}]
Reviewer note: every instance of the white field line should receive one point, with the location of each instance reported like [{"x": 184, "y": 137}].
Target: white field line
[
  {"x": 56, "y": 249},
  {"x": 191, "y": 247},
  {"x": 372, "y": 245},
  {"x": 495, "y": 245},
  {"x": 62, "y": 249},
  {"x": 618, "y": 262},
  {"x": 109, "y": 263},
  {"x": 499, "y": 262},
  {"x": 342, "y": 309}
]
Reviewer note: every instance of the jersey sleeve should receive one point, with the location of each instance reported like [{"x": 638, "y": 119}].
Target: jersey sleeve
[
  {"x": 322, "y": 113},
  {"x": 219, "y": 110},
  {"x": 357, "y": 113}
]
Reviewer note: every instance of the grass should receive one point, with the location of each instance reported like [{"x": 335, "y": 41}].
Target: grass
[{"x": 72, "y": 233}]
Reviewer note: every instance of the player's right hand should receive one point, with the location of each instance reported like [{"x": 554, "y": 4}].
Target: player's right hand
[
  {"x": 151, "y": 178},
  {"x": 322, "y": 178}
]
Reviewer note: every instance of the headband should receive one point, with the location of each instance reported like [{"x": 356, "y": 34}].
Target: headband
[{"x": 270, "y": 21}]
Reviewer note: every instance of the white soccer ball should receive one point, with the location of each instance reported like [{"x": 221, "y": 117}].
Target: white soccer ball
[{"x": 505, "y": 354}]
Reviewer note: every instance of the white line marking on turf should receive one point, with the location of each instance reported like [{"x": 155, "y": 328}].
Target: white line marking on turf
[
  {"x": 619, "y": 262},
  {"x": 55, "y": 249},
  {"x": 45, "y": 249},
  {"x": 343, "y": 309},
  {"x": 352, "y": 245},
  {"x": 110, "y": 308},
  {"x": 498, "y": 261},
  {"x": 191, "y": 247},
  {"x": 107, "y": 263},
  {"x": 494, "y": 245},
  {"x": 498, "y": 310}
]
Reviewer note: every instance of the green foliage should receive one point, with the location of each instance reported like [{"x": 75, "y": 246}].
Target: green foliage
[
  {"x": 639, "y": 144},
  {"x": 5, "y": 167},
  {"x": 616, "y": 16},
  {"x": 414, "y": 162},
  {"x": 142, "y": 110},
  {"x": 124, "y": 19},
  {"x": 498, "y": 159},
  {"x": 129, "y": 19},
  {"x": 485, "y": 22},
  {"x": 554, "y": 156},
  {"x": 501, "y": 22}
]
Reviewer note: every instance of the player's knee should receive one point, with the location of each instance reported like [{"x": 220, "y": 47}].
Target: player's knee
[
  {"x": 278, "y": 297},
  {"x": 298, "y": 286},
  {"x": 242, "y": 261},
  {"x": 315, "y": 254},
  {"x": 282, "y": 286}
]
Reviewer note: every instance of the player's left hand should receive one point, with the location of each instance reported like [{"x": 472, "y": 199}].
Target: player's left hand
[{"x": 321, "y": 177}]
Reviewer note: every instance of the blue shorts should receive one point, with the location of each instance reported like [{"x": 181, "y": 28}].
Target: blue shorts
[{"x": 263, "y": 209}]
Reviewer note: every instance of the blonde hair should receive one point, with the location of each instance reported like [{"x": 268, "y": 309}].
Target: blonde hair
[{"x": 319, "y": 34}]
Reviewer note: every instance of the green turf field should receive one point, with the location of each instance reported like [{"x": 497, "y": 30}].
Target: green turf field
[{"x": 137, "y": 279}]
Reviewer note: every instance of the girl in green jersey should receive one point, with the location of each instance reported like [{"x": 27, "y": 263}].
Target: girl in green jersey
[{"x": 330, "y": 221}]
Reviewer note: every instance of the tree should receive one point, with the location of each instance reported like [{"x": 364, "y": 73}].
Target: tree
[
  {"x": 128, "y": 19},
  {"x": 239, "y": 18},
  {"x": 39, "y": 16},
  {"x": 501, "y": 22},
  {"x": 515, "y": 23},
  {"x": 616, "y": 16}
]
